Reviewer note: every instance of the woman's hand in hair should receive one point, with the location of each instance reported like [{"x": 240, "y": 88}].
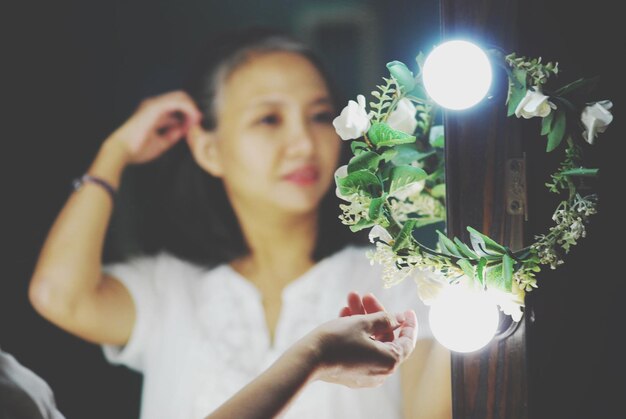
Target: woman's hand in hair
[{"x": 158, "y": 123}]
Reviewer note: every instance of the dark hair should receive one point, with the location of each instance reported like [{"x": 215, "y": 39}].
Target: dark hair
[{"x": 186, "y": 211}]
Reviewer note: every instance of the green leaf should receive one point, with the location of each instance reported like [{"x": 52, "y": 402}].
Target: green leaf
[
  {"x": 402, "y": 176},
  {"x": 507, "y": 271},
  {"x": 557, "y": 130},
  {"x": 402, "y": 75},
  {"x": 523, "y": 253},
  {"x": 362, "y": 224},
  {"x": 389, "y": 154},
  {"x": 367, "y": 160},
  {"x": 564, "y": 103},
  {"x": 380, "y": 134},
  {"x": 517, "y": 87},
  {"x": 546, "y": 123},
  {"x": 358, "y": 147},
  {"x": 405, "y": 237},
  {"x": 465, "y": 249},
  {"x": 468, "y": 268},
  {"x": 582, "y": 83},
  {"x": 439, "y": 191},
  {"x": 581, "y": 171},
  {"x": 485, "y": 246},
  {"x": 406, "y": 154},
  {"x": 447, "y": 246},
  {"x": 480, "y": 270},
  {"x": 384, "y": 172},
  {"x": 418, "y": 93},
  {"x": 494, "y": 278},
  {"x": 424, "y": 221},
  {"x": 374, "y": 209},
  {"x": 362, "y": 182}
]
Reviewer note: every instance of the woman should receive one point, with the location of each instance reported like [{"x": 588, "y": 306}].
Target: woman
[{"x": 256, "y": 243}]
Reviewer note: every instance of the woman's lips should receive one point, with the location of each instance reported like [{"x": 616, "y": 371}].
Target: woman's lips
[{"x": 306, "y": 175}]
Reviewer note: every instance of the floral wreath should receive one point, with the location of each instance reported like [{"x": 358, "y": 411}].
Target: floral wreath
[{"x": 394, "y": 183}]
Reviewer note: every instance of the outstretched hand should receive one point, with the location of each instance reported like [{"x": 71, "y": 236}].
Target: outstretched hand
[
  {"x": 359, "y": 349},
  {"x": 365, "y": 345}
]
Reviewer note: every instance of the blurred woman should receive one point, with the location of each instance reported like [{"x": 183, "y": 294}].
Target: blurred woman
[{"x": 249, "y": 255}]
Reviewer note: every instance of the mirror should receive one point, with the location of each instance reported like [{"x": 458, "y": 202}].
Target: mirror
[{"x": 86, "y": 69}]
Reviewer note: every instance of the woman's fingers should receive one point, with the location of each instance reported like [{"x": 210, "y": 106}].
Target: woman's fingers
[
  {"x": 381, "y": 323},
  {"x": 405, "y": 342},
  {"x": 158, "y": 123},
  {"x": 355, "y": 304},
  {"x": 371, "y": 304},
  {"x": 345, "y": 312},
  {"x": 178, "y": 104}
]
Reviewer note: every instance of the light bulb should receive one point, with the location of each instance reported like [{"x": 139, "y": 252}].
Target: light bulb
[
  {"x": 457, "y": 74},
  {"x": 463, "y": 320}
]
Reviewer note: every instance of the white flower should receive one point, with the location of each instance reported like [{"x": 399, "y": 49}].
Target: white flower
[
  {"x": 357, "y": 210},
  {"x": 596, "y": 117},
  {"x": 353, "y": 122},
  {"x": 378, "y": 233},
  {"x": 429, "y": 285},
  {"x": 340, "y": 173},
  {"x": 510, "y": 303},
  {"x": 534, "y": 103},
  {"x": 403, "y": 117}
]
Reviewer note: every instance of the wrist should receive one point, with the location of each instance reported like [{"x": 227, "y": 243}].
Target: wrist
[
  {"x": 115, "y": 147},
  {"x": 110, "y": 162},
  {"x": 310, "y": 353}
]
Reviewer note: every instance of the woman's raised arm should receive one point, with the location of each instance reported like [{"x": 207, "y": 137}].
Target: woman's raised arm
[{"x": 68, "y": 287}]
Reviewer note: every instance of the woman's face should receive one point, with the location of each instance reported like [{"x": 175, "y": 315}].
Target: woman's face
[{"x": 275, "y": 142}]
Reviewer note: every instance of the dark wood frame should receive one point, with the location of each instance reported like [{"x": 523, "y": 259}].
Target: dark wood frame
[
  {"x": 490, "y": 383},
  {"x": 547, "y": 368}
]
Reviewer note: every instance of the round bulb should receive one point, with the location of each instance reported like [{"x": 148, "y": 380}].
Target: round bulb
[
  {"x": 457, "y": 75},
  {"x": 463, "y": 320}
]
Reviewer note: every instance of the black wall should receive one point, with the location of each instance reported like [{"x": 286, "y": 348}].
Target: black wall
[{"x": 575, "y": 349}]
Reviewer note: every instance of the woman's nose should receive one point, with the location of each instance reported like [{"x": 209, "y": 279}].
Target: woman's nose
[{"x": 301, "y": 141}]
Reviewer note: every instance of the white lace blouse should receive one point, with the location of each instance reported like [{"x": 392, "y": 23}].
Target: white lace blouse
[{"x": 200, "y": 335}]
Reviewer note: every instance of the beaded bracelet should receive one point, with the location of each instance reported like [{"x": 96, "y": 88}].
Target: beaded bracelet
[{"x": 78, "y": 183}]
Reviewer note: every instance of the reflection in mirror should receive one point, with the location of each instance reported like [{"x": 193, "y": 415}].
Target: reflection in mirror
[{"x": 224, "y": 244}]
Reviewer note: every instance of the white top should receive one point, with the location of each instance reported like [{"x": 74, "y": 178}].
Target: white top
[{"x": 200, "y": 334}]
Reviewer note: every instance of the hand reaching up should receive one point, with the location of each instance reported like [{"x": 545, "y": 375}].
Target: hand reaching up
[{"x": 366, "y": 344}]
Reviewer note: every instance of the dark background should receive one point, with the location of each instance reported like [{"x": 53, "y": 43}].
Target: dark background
[
  {"x": 575, "y": 348},
  {"x": 73, "y": 71}
]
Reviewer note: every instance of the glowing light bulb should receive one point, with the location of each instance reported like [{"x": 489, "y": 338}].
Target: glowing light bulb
[
  {"x": 463, "y": 320},
  {"x": 457, "y": 74}
]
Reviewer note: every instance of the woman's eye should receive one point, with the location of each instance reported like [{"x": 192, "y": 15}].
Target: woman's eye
[
  {"x": 269, "y": 120},
  {"x": 324, "y": 117}
]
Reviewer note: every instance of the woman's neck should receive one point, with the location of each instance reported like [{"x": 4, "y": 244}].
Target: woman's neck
[
  {"x": 281, "y": 250},
  {"x": 281, "y": 246}
]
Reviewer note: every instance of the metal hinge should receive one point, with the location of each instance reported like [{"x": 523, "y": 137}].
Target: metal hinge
[{"x": 515, "y": 183}]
